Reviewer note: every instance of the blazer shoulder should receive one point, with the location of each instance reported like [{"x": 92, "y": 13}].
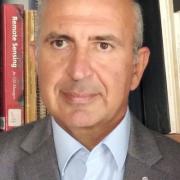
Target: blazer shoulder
[
  {"x": 10, "y": 141},
  {"x": 11, "y": 151},
  {"x": 167, "y": 146},
  {"x": 170, "y": 150},
  {"x": 154, "y": 149}
]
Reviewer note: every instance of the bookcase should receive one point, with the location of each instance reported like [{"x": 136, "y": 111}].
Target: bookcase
[{"x": 149, "y": 102}]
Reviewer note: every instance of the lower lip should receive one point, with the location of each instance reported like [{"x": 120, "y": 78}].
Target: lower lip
[{"x": 79, "y": 99}]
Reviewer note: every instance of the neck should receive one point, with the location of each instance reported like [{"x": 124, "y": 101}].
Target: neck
[{"x": 90, "y": 137}]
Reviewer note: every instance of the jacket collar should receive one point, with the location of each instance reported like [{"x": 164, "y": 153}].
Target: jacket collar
[
  {"x": 41, "y": 161},
  {"x": 143, "y": 154},
  {"x": 142, "y": 144}
]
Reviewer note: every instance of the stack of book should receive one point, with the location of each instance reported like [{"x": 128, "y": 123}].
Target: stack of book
[{"x": 20, "y": 100}]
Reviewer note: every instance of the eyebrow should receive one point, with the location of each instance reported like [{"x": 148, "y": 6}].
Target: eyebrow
[
  {"x": 106, "y": 38},
  {"x": 54, "y": 35}
]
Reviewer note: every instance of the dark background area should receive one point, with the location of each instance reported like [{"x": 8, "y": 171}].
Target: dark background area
[
  {"x": 176, "y": 5},
  {"x": 149, "y": 102}
]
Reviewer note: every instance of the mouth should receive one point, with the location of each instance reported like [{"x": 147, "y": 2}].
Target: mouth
[{"x": 79, "y": 98}]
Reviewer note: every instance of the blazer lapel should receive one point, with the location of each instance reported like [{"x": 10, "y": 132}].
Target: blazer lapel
[
  {"x": 138, "y": 170},
  {"x": 41, "y": 162},
  {"x": 143, "y": 154}
]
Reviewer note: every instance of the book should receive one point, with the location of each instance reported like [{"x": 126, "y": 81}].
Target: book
[
  {"x": 171, "y": 64},
  {"x": 177, "y": 45},
  {"x": 41, "y": 108},
  {"x": 177, "y": 39},
  {"x": 12, "y": 66},
  {"x": 30, "y": 69}
]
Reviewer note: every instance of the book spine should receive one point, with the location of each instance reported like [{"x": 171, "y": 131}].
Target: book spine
[
  {"x": 41, "y": 108},
  {"x": 30, "y": 72},
  {"x": 177, "y": 45},
  {"x": 1, "y": 72},
  {"x": 177, "y": 38},
  {"x": 12, "y": 66},
  {"x": 167, "y": 23}
]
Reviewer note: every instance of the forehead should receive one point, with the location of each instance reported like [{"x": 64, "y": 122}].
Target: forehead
[
  {"x": 85, "y": 17},
  {"x": 102, "y": 10}
]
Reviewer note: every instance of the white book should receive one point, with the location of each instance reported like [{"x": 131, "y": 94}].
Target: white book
[
  {"x": 177, "y": 39},
  {"x": 171, "y": 65}
]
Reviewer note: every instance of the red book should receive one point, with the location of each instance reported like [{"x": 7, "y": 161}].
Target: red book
[{"x": 11, "y": 66}]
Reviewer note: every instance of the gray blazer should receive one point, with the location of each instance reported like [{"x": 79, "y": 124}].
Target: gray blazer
[{"x": 28, "y": 153}]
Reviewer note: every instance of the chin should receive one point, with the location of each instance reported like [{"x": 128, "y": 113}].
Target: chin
[{"x": 81, "y": 119}]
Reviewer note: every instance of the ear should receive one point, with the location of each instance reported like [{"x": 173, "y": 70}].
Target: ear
[
  {"x": 140, "y": 64},
  {"x": 32, "y": 51}
]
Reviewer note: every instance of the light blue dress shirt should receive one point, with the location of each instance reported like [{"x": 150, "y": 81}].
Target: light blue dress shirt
[{"x": 105, "y": 161}]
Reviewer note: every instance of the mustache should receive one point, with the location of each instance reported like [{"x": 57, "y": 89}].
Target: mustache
[{"x": 83, "y": 86}]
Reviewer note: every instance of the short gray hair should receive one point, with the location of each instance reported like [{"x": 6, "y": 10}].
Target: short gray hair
[
  {"x": 138, "y": 35},
  {"x": 41, "y": 6}
]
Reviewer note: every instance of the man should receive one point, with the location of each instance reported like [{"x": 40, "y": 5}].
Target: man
[{"x": 89, "y": 57}]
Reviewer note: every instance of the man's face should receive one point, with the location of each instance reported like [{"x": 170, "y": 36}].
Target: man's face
[{"x": 85, "y": 61}]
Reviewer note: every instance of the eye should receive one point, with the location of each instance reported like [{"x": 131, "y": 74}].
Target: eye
[
  {"x": 59, "y": 43},
  {"x": 104, "y": 46}
]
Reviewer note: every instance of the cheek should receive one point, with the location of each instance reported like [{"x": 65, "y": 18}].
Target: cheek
[
  {"x": 123, "y": 74},
  {"x": 48, "y": 75},
  {"x": 115, "y": 77},
  {"x": 122, "y": 82},
  {"x": 45, "y": 75},
  {"x": 50, "y": 68}
]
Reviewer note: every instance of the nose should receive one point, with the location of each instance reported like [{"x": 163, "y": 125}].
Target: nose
[{"x": 79, "y": 66}]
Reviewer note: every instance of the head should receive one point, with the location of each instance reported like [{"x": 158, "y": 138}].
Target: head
[
  {"x": 89, "y": 57},
  {"x": 138, "y": 32}
]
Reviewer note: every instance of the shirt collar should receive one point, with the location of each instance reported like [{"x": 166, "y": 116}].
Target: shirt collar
[
  {"x": 117, "y": 142},
  {"x": 65, "y": 145}
]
